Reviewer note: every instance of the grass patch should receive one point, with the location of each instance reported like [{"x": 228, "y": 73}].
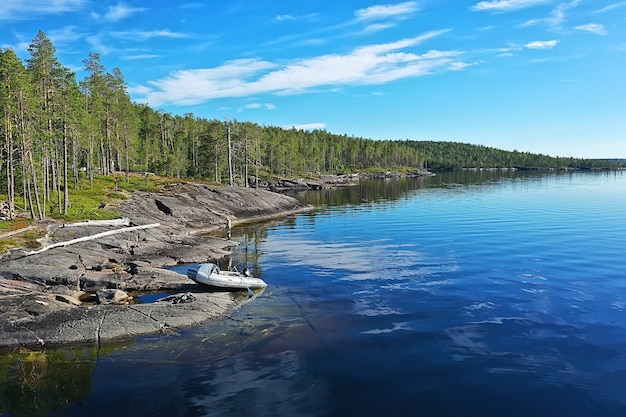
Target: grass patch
[
  {"x": 91, "y": 201},
  {"x": 6, "y": 244},
  {"x": 27, "y": 239},
  {"x": 12, "y": 225}
]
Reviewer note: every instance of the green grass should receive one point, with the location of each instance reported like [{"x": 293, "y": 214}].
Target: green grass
[{"x": 89, "y": 202}]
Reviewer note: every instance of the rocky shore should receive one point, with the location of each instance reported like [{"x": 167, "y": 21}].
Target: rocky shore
[
  {"x": 333, "y": 181},
  {"x": 74, "y": 289}
]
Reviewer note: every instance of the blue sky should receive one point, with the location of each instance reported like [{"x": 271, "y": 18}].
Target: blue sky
[{"x": 544, "y": 76}]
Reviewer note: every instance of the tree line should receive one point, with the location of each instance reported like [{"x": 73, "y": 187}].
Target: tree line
[
  {"x": 58, "y": 132},
  {"x": 457, "y": 155}
]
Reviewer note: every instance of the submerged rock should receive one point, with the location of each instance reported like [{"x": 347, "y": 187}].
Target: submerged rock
[{"x": 178, "y": 298}]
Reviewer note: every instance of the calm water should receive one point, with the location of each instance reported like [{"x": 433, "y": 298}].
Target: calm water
[{"x": 467, "y": 294}]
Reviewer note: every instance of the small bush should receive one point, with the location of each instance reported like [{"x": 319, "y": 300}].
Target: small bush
[
  {"x": 117, "y": 196},
  {"x": 6, "y": 244},
  {"x": 31, "y": 244}
]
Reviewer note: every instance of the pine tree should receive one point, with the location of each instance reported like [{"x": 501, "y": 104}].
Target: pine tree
[
  {"x": 15, "y": 95},
  {"x": 46, "y": 73}
]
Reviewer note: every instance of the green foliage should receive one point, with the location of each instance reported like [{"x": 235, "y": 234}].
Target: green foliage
[
  {"x": 456, "y": 155},
  {"x": 89, "y": 202},
  {"x": 70, "y": 149},
  {"x": 6, "y": 244},
  {"x": 12, "y": 225},
  {"x": 18, "y": 234},
  {"x": 30, "y": 380}
]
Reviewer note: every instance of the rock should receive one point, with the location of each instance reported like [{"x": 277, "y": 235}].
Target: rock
[
  {"x": 113, "y": 296},
  {"x": 66, "y": 298},
  {"x": 39, "y": 292},
  {"x": 178, "y": 298}
]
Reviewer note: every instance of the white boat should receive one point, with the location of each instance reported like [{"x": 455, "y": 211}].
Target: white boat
[{"x": 209, "y": 274}]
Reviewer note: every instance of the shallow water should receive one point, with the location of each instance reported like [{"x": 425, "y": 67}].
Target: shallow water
[{"x": 463, "y": 294}]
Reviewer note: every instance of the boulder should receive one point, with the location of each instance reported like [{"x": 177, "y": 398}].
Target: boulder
[{"x": 113, "y": 296}]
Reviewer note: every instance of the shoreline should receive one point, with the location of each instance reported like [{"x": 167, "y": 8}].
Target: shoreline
[{"x": 41, "y": 291}]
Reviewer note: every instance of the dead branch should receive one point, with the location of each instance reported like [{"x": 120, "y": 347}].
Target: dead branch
[
  {"x": 114, "y": 222},
  {"x": 94, "y": 237}
]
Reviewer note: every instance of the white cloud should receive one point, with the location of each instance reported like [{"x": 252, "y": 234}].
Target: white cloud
[
  {"x": 99, "y": 44},
  {"x": 284, "y": 17},
  {"x": 138, "y": 57},
  {"x": 120, "y": 11},
  {"x": 458, "y": 66},
  {"x": 377, "y": 27},
  {"x": 292, "y": 18},
  {"x": 65, "y": 34},
  {"x": 102, "y": 42},
  {"x": 307, "y": 126},
  {"x": 386, "y": 11},
  {"x": 596, "y": 28},
  {"x": 556, "y": 18},
  {"x": 29, "y": 9},
  {"x": 506, "y": 5},
  {"x": 541, "y": 44},
  {"x": 611, "y": 7},
  {"x": 366, "y": 65},
  {"x": 254, "y": 106},
  {"x": 194, "y": 86},
  {"x": 19, "y": 47},
  {"x": 138, "y": 35}
]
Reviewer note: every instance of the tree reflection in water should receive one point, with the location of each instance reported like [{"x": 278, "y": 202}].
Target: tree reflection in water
[{"x": 40, "y": 382}]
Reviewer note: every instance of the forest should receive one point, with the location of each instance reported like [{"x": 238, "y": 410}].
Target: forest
[
  {"x": 456, "y": 155},
  {"x": 58, "y": 133}
]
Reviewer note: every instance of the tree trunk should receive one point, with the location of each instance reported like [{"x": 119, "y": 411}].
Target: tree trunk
[
  {"x": 66, "y": 192},
  {"x": 230, "y": 156}
]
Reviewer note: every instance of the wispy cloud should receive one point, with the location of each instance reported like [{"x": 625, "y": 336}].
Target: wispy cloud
[
  {"x": 557, "y": 16},
  {"x": 541, "y": 44},
  {"x": 366, "y": 65},
  {"x": 284, "y": 17},
  {"x": 611, "y": 7},
  {"x": 387, "y": 11},
  {"x": 307, "y": 126},
  {"x": 293, "y": 18},
  {"x": 104, "y": 42},
  {"x": 99, "y": 44},
  {"x": 256, "y": 106},
  {"x": 377, "y": 27},
  {"x": 121, "y": 11},
  {"x": 383, "y": 17},
  {"x": 506, "y": 5},
  {"x": 139, "y": 35},
  {"x": 138, "y": 57},
  {"x": 31, "y": 9},
  {"x": 65, "y": 35},
  {"x": 458, "y": 66},
  {"x": 371, "y": 20},
  {"x": 596, "y": 28}
]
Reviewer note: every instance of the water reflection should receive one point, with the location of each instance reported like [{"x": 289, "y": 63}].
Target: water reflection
[
  {"x": 269, "y": 385},
  {"x": 466, "y": 293},
  {"x": 38, "y": 382},
  {"x": 364, "y": 194}
]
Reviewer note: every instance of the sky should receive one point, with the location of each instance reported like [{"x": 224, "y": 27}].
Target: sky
[{"x": 540, "y": 76}]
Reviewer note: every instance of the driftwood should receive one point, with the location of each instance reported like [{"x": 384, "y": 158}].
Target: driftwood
[
  {"x": 114, "y": 222},
  {"x": 93, "y": 237}
]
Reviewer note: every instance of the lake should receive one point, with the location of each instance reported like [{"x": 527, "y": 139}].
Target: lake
[{"x": 464, "y": 294}]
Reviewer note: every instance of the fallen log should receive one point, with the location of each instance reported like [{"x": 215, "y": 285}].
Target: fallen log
[
  {"x": 114, "y": 222},
  {"x": 93, "y": 237}
]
